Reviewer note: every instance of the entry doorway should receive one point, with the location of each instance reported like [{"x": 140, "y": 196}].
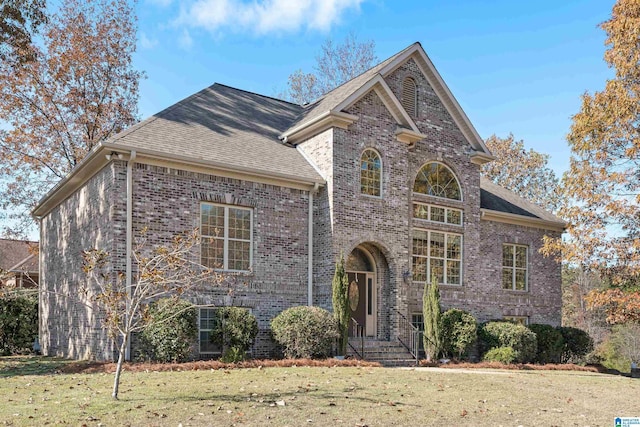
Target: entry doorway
[{"x": 362, "y": 301}]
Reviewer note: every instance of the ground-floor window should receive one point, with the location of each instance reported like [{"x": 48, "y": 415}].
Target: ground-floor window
[
  {"x": 437, "y": 254},
  {"x": 417, "y": 320},
  {"x": 208, "y": 322},
  {"x": 522, "y": 320}
]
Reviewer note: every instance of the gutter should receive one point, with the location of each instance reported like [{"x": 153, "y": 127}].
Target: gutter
[{"x": 310, "y": 245}]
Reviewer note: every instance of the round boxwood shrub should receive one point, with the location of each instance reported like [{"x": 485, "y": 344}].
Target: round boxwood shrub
[
  {"x": 171, "y": 330},
  {"x": 235, "y": 331},
  {"x": 305, "y": 332},
  {"x": 459, "y": 332},
  {"x": 577, "y": 344},
  {"x": 506, "y": 334},
  {"x": 504, "y": 355},
  {"x": 550, "y": 343}
]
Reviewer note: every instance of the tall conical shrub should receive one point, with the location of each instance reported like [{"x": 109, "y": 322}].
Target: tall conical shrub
[
  {"x": 341, "y": 309},
  {"x": 432, "y": 322}
]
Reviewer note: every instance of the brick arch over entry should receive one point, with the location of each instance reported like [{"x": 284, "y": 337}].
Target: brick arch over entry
[{"x": 386, "y": 283}]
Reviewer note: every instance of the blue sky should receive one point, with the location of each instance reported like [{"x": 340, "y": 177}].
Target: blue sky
[{"x": 515, "y": 67}]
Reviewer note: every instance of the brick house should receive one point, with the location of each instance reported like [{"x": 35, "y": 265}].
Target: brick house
[{"x": 385, "y": 169}]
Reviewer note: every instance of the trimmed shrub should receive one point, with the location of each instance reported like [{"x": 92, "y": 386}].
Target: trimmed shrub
[
  {"x": 235, "y": 331},
  {"x": 577, "y": 344},
  {"x": 505, "y": 355},
  {"x": 550, "y": 343},
  {"x": 18, "y": 324},
  {"x": 305, "y": 332},
  {"x": 507, "y": 334},
  {"x": 171, "y": 330},
  {"x": 459, "y": 332}
]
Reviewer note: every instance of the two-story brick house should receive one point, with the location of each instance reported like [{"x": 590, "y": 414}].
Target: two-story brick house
[{"x": 385, "y": 169}]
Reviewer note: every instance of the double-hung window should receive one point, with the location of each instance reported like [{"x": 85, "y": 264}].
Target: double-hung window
[
  {"x": 514, "y": 267},
  {"x": 226, "y": 236}
]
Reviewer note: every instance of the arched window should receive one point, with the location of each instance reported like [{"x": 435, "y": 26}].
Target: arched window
[
  {"x": 410, "y": 96},
  {"x": 370, "y": 173},
  {"x": 435, "y": 179}
]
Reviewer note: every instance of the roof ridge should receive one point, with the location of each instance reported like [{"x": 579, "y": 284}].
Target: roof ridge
[
  {"x": 257, "y": 94},
  {"x": 19, "y": 240}
]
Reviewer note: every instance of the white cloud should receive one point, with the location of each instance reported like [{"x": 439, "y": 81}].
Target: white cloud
[
  {"x": 266, "y": 16},
  {"x": 185, "y": 41},
  {"x": 146, "y": 42}
]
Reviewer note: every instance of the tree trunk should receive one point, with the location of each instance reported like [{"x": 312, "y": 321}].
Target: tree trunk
[{"x": 116, "y": 380}]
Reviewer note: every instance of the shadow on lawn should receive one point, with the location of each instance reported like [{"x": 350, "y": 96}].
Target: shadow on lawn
[{"x": 14, "y": 366}]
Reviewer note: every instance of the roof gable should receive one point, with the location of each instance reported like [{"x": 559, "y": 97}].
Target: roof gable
[{"x": 373, "y": 79}]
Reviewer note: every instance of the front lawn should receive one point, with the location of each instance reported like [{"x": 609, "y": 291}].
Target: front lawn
[{"x": 326, "y": 396}]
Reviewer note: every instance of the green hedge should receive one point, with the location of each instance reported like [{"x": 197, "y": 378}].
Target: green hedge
[
  {"x": 504, "y": 355},
  {"x": 171, "y": 331},
  {"x": 506, "y": 334},
  {"x": 305, "y": 332},
  {"x": 235, "y": 331},
  {"x": 459, "y": 332},
  {"x": 18, "y": 324},
  {"x": 550, "y": 343}
]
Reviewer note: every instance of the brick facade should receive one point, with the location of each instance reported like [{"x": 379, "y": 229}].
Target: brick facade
[{"x": 167, "y": 201}]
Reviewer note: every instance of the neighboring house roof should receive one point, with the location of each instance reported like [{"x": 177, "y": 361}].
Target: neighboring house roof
[
  {"x": 18, "y": 255},
  {"x": 498, "y": 199},
  {"x": 228, "y": 126}
]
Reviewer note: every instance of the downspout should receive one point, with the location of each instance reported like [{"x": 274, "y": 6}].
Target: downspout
[
  {"x": 129, "y": 238},
  {"x": 310, "y": 240}
]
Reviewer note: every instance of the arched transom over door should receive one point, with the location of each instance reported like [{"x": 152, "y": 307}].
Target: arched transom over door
[{"x": 361, "y": 273}]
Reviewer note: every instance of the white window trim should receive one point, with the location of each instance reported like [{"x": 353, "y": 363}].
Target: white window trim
[
  {"x": 360, "y": 173},
  {"x": 446, "y": 217},
  {"x": 225, "y": 237},
  {"x": 514, "y": 268},
  {"x": 429, "y": 257}
]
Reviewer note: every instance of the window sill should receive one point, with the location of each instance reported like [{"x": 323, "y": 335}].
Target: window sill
[{"x": 369, "y": 196}]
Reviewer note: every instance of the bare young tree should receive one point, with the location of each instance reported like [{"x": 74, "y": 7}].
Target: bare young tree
[
  {"x": 164, "y": 271},
  {"x": 336, "y": 64},
  {"x": 79, "y": 89}
]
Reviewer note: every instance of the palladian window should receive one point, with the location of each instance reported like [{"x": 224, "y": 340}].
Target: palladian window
[
  {"x": 370, "y": 173},
  {"x": 435, "y": 179}
]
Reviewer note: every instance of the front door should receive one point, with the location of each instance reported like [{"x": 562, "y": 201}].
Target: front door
[{"x": 362, "y": 302}]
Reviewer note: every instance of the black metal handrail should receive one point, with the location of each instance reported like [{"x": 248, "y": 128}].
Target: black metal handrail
[
  {"x": 358, "y": 332},
  {"x": 409, "y": 336}
]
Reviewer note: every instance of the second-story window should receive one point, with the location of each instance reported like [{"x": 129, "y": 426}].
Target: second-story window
[{"x": 371, "y": 173}]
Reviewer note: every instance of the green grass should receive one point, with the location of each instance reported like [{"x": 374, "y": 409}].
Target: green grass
[{"x": 33, "y": 395}]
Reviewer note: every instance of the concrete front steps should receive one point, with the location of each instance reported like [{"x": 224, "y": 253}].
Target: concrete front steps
[{"x": 387, "y": 353}]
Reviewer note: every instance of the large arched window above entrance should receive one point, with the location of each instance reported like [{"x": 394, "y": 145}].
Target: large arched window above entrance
[
  {"x": 435, "y": 179},
  {"x": 371, "y": 173}
]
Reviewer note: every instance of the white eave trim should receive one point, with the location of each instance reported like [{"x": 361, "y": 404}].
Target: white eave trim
[
  {"x": 319, "y": 124},
  {"x": 479, "y": 158},
  {"x": 96, "y": 161},
  {"x": 408, "y": 136},
  {"x": 526, "y": 221}
]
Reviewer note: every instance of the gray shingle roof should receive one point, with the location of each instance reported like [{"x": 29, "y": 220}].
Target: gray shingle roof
[
  {"x": 227, "y": 126},
  {"x": 18, "y": 253},
  {"x": 496, "y": 198}
]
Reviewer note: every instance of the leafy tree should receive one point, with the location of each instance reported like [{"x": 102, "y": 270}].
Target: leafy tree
[
  {"x": 341, "y": 308},
  {"x": 166, "y": 271},
  {"x": 431, "y": 313},
  {"x": 19, "y": 22},
  {"x": 525, "y": 172},
  {"x": 79, "y": 89},
  {"x": 336, "y": 64},
  {"x": 18, "y": 323},
  {"x": 603, "y": 181}
]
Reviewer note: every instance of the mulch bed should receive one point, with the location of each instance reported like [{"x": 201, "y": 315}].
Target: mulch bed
[
  {"x": 98, "y": 367},
  {"x": 518, "y": 366}
]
